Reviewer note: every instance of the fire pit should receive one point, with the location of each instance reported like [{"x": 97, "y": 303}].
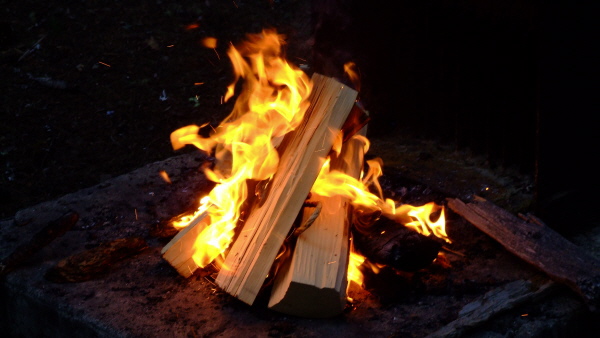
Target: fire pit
[{"x": 144, "y": 296}]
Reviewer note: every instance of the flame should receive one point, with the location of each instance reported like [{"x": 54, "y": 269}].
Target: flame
[
  {"x": 357, "y": 192},
  {"x": 333, "y": 182},
  {"x": 272, "y": 103},
  {"x": 419, "y": 219},
  {"x": 354, "y": 263},
  {"x": 352, "y": 73}
]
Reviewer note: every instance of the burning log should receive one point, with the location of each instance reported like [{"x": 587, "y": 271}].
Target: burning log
[
  {"x": 303, "y": 152},
  {"x": 538, "y": 245},
  {"x": 395, "y": 245},
  {"x": 313, "y": 282}
]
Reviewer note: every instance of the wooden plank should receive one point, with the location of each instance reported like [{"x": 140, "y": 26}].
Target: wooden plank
[
  {"x": 536, "y": 244},
  {"x": 304, "y": 150},
  {"x": 313, "y": 282},
  {"x": 494, "y": 302}
]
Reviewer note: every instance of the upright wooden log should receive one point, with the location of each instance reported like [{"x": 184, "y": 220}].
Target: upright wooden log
[
  {"x": 303, "y": 154},
  {"x": 536, "y": 244},
  {"x": 313, "y": 282}
]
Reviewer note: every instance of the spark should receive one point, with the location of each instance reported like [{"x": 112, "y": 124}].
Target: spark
[
  {"x": 192, "y": 26},
  {"x": 165, "y": 176}
]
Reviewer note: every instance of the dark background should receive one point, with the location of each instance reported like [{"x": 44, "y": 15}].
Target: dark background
[
  {"x": 510, "y": 80},
  {"x": 69, "y": 121}
]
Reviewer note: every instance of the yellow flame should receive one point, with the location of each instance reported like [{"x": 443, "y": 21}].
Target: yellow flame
[
  {"x": 419, "y": 218},
  {"x": 354, "y": 273},
  {"x": 333, "y": 182},
  {"x": 356, "y": 263},
  {"x": 272, "y": 103}
]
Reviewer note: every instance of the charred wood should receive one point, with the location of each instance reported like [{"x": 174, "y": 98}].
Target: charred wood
[
  {"x": 494, "y": 302},
  {"x": 537, "y": 245},
  {"x": 389, "y": 243}
]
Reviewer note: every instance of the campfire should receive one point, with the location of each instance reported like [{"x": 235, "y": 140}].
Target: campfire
[
  {"x": 292, "y": 217},
  {"x": 293, "y": 207}
]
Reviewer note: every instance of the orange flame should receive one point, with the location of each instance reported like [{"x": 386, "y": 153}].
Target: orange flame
[{"x": 352, "y": 73}]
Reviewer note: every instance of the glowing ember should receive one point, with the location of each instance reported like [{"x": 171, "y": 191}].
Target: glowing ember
[{"x": 209, "y": 42}]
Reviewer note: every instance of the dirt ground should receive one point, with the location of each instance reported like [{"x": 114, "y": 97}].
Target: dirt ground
[{"x": 91, "y": 90}]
